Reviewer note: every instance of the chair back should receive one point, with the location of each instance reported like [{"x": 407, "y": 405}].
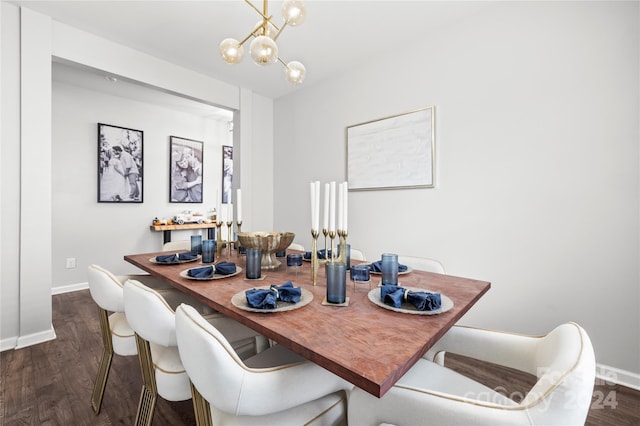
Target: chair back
[
  {"x": 149, "y": 314},
  {"x": 422, "y": 264},
  {"x": 565, "y": 367},
  {"x": 356, "y": 254},
  {"x": 211, "y": 363},
  {"x": 296, "y": 246},
  {"x": 105, "y": 289},
  {"x": 177, "y": 245}
]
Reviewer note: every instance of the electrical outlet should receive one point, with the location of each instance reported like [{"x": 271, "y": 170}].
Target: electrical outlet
[{"x": 71, "y": 262}]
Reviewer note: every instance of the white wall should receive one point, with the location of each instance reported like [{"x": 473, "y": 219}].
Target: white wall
[
  {"x": 537, "y": 164},
  {"x": 10, "y": 173},
  {"x": 27, "y": 227},
  {"x": 101, "y": 233}
]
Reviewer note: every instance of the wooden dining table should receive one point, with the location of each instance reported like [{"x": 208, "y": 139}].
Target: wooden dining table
[{"x": 362, "y": 342}]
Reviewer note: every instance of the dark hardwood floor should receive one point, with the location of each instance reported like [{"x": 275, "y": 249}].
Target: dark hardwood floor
[{"x": 51, "y": 383}]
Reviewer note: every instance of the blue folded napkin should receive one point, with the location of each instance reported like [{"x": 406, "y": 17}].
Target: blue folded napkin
[
  {"x": 173, "y": 258},
  {"x": 204, "y": 272},
  {"x": 394, "y": 295},
  {"x": 187, "y": 256},
  {"x": 377, "y": 267},
  {"x": 167, "y": 258},
  {"x": 268, "y": 298},
  {"x": 225, "y": 268}
]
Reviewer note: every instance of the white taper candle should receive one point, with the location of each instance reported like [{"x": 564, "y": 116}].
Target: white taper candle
[
  {"x": 332, "y": 207},
  {"x": 325, "y": 223},
  {"x": 312, "y": 199},
  {"x": 340, "y": 206},
  {"x": 346, "y": 207},
  {"x": 316, "y": 219}
]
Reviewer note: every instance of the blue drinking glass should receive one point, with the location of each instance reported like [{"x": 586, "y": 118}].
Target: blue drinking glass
[{"x": 389, "y": 269}]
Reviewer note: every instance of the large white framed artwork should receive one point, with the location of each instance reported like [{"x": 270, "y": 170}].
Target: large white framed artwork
[{"x": 392, "y": 152}]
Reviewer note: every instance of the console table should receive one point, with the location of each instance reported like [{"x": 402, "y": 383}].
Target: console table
[{"x": 210, "y": 227}]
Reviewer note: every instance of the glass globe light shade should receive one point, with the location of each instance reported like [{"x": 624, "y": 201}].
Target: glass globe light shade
[
  {"x": 264, "y": 50},
  {"x": 271, "y": 29},
  {"x": 294, "y": 12},
  {"x": 295, "y": 72},
  {"x": 231, "y": 50}
]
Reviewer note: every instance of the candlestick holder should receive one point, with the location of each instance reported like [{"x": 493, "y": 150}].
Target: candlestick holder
[
  {"x": 237, "y": 241},
  {"x": 229, "y": 232},
  {"x": 314, "y": 256},
  {"x": 342, "y": 234},
  {"x": 218, "y": 238},
  {"x": 332, "y": 235},
  {"x": 325, "y": 232}
]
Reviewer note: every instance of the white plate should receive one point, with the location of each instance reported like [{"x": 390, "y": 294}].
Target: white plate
[
  {"x": 153, "y": 260},
  {"x": 239, "y": 300},
  {"x": 407, "y": 308},
  {"x": 184, "y": 274}
]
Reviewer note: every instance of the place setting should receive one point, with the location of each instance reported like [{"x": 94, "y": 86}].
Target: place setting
[
  {"x": 175, "y": 258},
  {"x": 409, "y": 300},
  {"x": 212, "y": 272},
  {"x": 272, "y": 298}
]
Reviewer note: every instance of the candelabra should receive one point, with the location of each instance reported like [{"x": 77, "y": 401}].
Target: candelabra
[
  {"x": 237, "y": 240},
  {"x": 325, "y": 232},
  {"x": 218, "y": 237},
  {"x": 332, "y": 235},
  {"x": 342, "y": 234},
  {"x": 229, "y": 233},
  {"x": 314, "y": 256}
]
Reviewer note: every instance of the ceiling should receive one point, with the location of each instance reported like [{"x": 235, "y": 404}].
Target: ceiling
[{"x": 336, "y": 35}]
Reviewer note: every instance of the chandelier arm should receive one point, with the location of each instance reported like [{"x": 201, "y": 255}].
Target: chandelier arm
[
  {"x": 282, "y": 62},
  {"x": 251, "y": 34},
  {"x": 280, "y": 31},
  {"x": 263, "y": 14}
]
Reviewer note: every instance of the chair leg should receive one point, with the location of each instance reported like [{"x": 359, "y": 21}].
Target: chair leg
[
  {"x": 105, "y": 363},
  {"x": 149, "y": 392},
  {"x": 201, "y": 408}
]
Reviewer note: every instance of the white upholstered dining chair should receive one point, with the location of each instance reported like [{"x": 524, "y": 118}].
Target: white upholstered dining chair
[
  {"x": 117, "y": 336},
  {"x": 152, "y": 317},
  {"x": 356, "y": 254},
  {"x": 275, "y": 387},
  {"x": 296, "y": 246},
  {"x": 430, "y": 393},
  {"x": 422, "y": 263}
]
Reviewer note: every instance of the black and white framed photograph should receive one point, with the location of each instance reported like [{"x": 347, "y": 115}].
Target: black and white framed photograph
[
  {"x": 227, "y": 173},
  {"x": 185, "y": 179},
  {"x": 392, "y": 152},
  {"x": 120, "y": 163}
]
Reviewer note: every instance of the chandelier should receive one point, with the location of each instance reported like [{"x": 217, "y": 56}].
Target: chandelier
[{"x": 263, "y": 47}]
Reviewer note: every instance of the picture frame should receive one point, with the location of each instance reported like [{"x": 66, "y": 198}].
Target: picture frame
[
  {"x": 393, "y": 152},
  {"x": 120, "y": 164},
  {"x": 227, "y": 173},
  {"x": 185, "y": 170}
]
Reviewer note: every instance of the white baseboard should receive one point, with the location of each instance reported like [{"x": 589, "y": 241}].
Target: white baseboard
[
  {"x": 69, "y": 288},
  {"x": 35, "y": 338},
  {"x": 606, "y": 374},
  {"x": 8, "y": 343}
]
